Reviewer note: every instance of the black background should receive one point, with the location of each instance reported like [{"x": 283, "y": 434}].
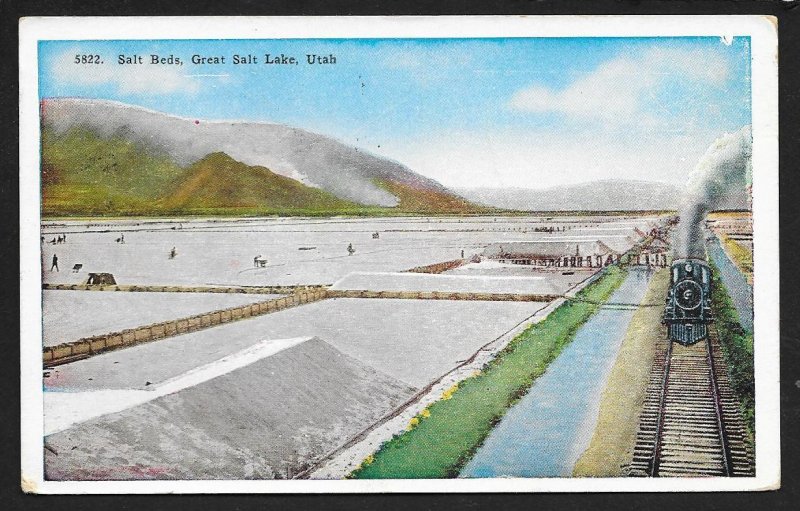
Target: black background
[{"x": 789, "y": 44}]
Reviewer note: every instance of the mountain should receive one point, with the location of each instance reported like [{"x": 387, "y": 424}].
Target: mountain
[
  {"x": 83, "y": 174},
  {"x": 201, "y": 189},
  {"x": 607, "y": 195},
  {"x": 121, "y": 158}
]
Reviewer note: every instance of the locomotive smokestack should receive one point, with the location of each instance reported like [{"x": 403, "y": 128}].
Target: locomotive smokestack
[{"x": 722, "y": 172}]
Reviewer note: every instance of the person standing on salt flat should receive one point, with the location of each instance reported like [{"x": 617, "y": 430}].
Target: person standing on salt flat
[{"x": 55, "y": 263}]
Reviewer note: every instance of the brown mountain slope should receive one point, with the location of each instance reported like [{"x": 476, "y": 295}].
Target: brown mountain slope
[
  {"x": 218, "y": 182},
  {"x": 417, "y": 199}
]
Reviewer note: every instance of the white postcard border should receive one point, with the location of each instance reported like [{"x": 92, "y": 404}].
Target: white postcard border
[{"x": 763, "y": 33}]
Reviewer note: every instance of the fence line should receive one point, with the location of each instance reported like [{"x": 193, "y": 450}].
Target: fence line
[
  {"x": 438, "y": 267},
  {"x": 441, "y": 295},
  {"x": 89, "y": 346},
  {"x": 261, "y": 290}
]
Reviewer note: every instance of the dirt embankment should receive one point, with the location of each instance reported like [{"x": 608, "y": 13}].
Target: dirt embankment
[{"x": 611, "y": 448}]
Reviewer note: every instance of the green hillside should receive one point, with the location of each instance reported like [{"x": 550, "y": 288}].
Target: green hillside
[
  {"x": 83, "y": 174},
  {"x": 87, "y": 175}
]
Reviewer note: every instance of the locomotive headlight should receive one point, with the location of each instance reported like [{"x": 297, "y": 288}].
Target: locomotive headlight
[
  {"x": 688, "y": 295},
  {"x": 688, "y": 267}
]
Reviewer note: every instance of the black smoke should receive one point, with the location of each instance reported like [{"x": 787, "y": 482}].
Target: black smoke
[{"x": 717, "y": 181}]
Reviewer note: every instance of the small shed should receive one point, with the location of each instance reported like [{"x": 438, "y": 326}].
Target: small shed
[{"x": 97, "y": 279}]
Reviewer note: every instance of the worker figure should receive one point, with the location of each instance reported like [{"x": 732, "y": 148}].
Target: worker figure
[
  {"x": 462, "y": 253},
  {"x": 173, "y": 253},
  {"x": 122, "y": 238},
  {"x": 350, "y": 249},
  {"x": 255, "y": 260},
  {"x": 55, "y": 263}
]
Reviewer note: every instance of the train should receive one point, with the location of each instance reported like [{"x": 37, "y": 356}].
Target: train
[{"x": 688, "y": 305}]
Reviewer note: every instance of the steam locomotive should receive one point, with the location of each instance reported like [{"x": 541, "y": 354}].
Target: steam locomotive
[{"x": 688, "y": 309}]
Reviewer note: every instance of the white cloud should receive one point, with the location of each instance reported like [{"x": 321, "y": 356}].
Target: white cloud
[
  {"x": 620, "y": 88},
  {"x": 620, "y": 130},
  {"x": 127, "y": 78},
  {"x": 542, "y": 160}
]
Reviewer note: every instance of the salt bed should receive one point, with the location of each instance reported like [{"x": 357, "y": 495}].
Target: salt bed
[
  {"x": 298, "y": 251},
  {"x": 602, "y": 222},
  {"x": 261, "y": 418},
  {"x": 70, "y": 315},
  {"x": 559, "y": 279},
  {"x": 413, "y": 341},
  {"x": 530, "y": 285}
]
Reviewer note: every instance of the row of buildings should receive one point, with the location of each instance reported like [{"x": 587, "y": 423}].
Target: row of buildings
[{"x": 563, "y": 254}]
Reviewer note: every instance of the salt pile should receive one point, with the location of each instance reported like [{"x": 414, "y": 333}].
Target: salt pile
[{"x": 266, "y": 420}]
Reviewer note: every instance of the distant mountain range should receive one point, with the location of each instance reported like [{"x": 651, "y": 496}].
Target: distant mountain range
[
  {"x": 610, "y": 195},
  {"x": 102, "y": 158}
]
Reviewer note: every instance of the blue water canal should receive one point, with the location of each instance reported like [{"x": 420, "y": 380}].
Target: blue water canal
[
  {"x": 544, "y": 434},
  {"x": 739, "y": 290}
]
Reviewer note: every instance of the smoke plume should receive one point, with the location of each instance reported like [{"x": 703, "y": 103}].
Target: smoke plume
[{"x": 717, "y": 180}]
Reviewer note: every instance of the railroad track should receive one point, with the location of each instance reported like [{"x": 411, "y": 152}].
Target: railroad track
[{"x": 691, "y": 424}]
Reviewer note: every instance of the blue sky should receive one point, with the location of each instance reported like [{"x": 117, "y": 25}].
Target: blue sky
[{"x": 529, "y": 112}]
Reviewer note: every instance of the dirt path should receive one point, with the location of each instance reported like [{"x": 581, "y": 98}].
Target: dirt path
[{"x": 611, "y": 447}]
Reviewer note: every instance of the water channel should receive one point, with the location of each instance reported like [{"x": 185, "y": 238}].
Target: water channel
[
  {"x": 544, "y": 434},
  {"x": 739, "y": 290}
]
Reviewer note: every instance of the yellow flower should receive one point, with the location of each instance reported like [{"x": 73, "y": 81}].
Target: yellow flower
[
  {"x": 449, "y": 392},
  {"x": 412, "y": 423},
  {"x": 426, "y": 413},
  {"x": 368, "y": 460}
]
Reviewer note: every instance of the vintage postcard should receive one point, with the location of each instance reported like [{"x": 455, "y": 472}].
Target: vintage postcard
[{"x": 355, "y": 254}]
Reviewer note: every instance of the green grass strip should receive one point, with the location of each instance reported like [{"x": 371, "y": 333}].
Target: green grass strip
[
  {"x": 737, "y": 348},
  {"x": 447, "y": 434}
]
